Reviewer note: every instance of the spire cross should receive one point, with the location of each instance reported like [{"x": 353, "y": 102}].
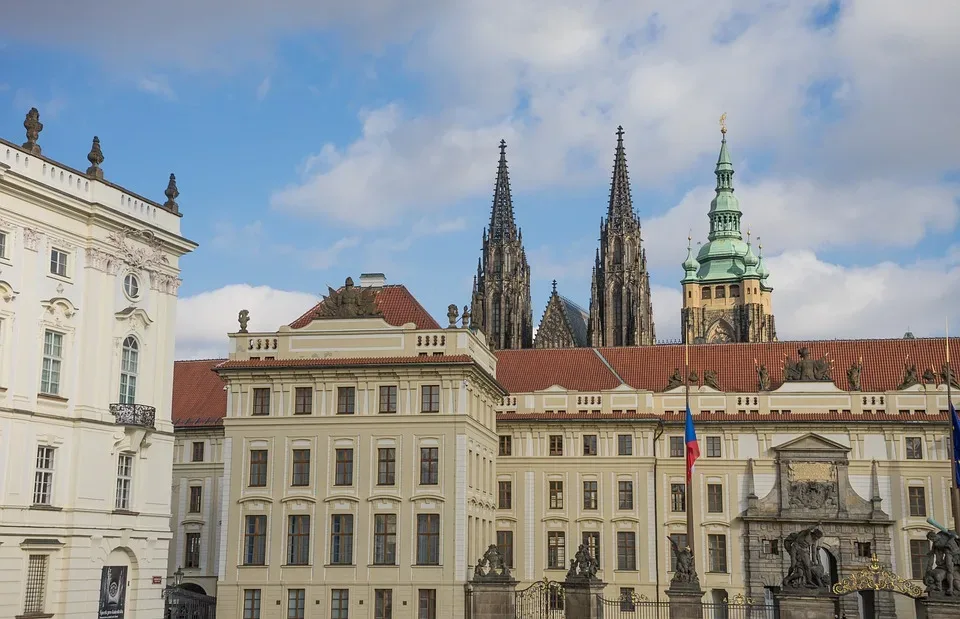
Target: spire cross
[
  {"x": 620, "y": 133},
  {"x": 503, "y": 147},
  {"x": 723, "y": 123},
  {"x": 554, "y": 286}
]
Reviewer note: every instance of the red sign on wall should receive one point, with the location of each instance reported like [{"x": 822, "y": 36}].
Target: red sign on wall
[{"x": 157, "y": 580}]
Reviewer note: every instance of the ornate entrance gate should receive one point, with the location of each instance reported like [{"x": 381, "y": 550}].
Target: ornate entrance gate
[
  {"x": 543, "y": 599},
  {"x": 183, "y": 604},
  {"x": 873, "y": 578}
]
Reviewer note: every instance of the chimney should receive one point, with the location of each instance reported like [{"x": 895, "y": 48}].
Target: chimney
[{"x": 373, "y": 280}]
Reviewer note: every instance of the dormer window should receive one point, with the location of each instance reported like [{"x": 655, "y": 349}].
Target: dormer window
[
  {"x": 721, "y": 292},
  {"x": 705, "y": 293}
]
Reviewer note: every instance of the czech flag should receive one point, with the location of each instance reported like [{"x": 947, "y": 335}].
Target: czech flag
[
  {"x": 955, "y": 422},
  {"x": 693, "y": 447}
]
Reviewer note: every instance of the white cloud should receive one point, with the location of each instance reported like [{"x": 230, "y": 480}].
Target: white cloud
[
  {"x": 320, "y": 259},
  {"x": 422, "y": 229},
  {"x": 157, "y": 85},
  {"x": 204, "y": 319},
  {"x": 24, "y": 99},
  {"x": 263, "y": 89}
]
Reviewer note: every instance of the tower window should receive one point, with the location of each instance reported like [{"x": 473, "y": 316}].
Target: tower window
[
  {"x": 617, "y": 252},
  {"x": 705, "y": 293},
  {"x": 735, "y": 291},
  {"x": 721, "y": 292},
  {"x": 689, "y": 294}
]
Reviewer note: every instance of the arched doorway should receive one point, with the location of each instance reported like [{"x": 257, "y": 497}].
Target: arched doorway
[
  {"x": 193, "y": 587},
  {"x": 118, "y": 578}
]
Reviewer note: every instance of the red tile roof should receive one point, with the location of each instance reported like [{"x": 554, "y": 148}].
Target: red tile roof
[
  {"x": 243, "y": 364},
  {"x": 678, "y": 417},
  {"x": 199, "y": 399},
  {"x": 649, "y": 367},
  {"x": 396, "y": 304},
  {"x": 533, "y": 369}
]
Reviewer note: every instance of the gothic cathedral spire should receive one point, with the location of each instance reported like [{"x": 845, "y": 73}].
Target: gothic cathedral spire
[
  {"x": 621, "y": 313},
  {"x": 501, "y": 291}
]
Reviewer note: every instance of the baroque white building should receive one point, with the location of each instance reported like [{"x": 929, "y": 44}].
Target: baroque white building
[{"x": 88, "y": 291}]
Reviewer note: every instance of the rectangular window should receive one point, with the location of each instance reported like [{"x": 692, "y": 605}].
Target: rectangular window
[
  {"x": 680, "y": 539},
  {"x": 388, "y": 399},
  {"x": 427, "y": 604},
  {"x": 255, "y": 541},
  {"x": 385, "y": 539},
  {"x": 430, "y": 399},
  {"x": 196, "y": 499},
  {"x": 383, "y": 604},
  {"x": 339, "y": 604},
  {"x": 771, "y": 547},
  {"x": 863, "y": 549},
  {"x": 428, "y": 539},
  {"x": 505, "y": 544},
  {"x": 624, "y": 445},
  {"x": 918, "y": 557},
  {"x": 261, "y": 401},
  {"x": 386, "y": 466},
  {"x": 3, "y": 244},
  {"x": 251, "y": 604},
  {"x": 626, "y": 550},
  {"x": 589, "y": 495},
  {"x": 301, "y": 467},
  {"x": 296, "y": 603},
  {"x": 52, "y": 362},
  {"x": 627, "y": 602},
  {"x": 678, "y": 498},
  {"x": 556, "y": 444},
  {"x": 589, "y": 444},
  {"x": 191, "y": 554},
  {"x": 591, "y": 541},
  {"x": 506, "y": 445},
  {"x": 303, "y": 401},
  {"x": 625, "y": 494},
  {"x": 714, "y": 498},
  {"x": 298, "y": 540},
  {"x": 556, "y": 550},
  {"x": 43, "y": 477},
  {"x": 717, "y": 552},
  {"x": 914, "y": 448},
  {"x": 58, "y": 262},
  {"x": 918, "y": 501},
  {"x": 258, "y": 468},
  {"x": 346, "y": 400},
  {"x": 341, "y": 539},
  {"x": 713, "y": 447},
  {"x": 677, "y": 447},
  {"x": 197, "y": 455},
  {"x": 36, "y": 590},
  {"x": 124, "y": 481},
  {"x": 344, "y": 468},
  {"x": 429, "y": 466},
  {"x": 556, "y": 495},
  {"x": 505, "y": 494}
]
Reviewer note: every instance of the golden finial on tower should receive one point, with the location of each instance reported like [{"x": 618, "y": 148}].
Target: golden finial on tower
[
  {"x": 748, "y": 236},
  {"x": 723, "y": 123}
]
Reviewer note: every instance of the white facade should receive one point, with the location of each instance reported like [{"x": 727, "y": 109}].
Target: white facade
[{"x": 88, "y": 292}]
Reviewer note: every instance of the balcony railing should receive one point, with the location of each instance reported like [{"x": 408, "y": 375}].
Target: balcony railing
[{"x": 134, "y": 414}]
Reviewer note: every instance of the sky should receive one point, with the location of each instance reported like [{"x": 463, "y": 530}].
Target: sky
[{"x": 315, "y": 139}]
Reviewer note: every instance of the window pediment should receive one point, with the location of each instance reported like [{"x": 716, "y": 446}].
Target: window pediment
[
  {"x": 59, "y": 310},
  {"x": 7, "y": 293},
  {"x": 135, "y": 316}
]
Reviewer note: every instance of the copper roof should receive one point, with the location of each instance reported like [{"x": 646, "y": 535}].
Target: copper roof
[
  {"x": 396, "y": 304},
  {"x": 649, "y": 367},
  {"x": 199, "y": 398}
]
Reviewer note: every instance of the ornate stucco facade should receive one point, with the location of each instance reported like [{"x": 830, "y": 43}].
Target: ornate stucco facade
[
  {"x": 88, "y": 291},
  {"x": 726, "y": 297}
]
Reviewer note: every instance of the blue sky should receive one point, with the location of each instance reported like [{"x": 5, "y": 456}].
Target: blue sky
[{"x": 316, "y": 141}]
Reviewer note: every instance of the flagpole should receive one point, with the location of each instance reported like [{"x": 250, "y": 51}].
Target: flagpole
[
  {"x": 689, "y": 488},
  {"x": 954, "y": 491}
]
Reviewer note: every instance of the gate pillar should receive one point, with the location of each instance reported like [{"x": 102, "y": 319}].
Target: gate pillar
[
  {"x": 582, "y": 598},
  {"x": 941, "y": 607},
  {"x": 492, "y": 600},
  {"x": 686, "y": 600},
  {"x": 806, "y": 606}
]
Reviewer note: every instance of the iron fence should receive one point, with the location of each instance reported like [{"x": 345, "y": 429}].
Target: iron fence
[
  {"x": 182, "y": 604},
  {"x": 631, "y": 606},
  {"x": 543, "y": 599}
]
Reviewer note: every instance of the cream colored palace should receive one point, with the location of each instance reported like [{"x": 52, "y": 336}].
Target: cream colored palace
[
  {"x": 88, "y": 291},
  {"x": 369, "y": 456}
]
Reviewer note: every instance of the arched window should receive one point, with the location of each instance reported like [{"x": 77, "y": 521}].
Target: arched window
[
  {"x": 720, "y": 293},
  {"x": 617, "y": 317},
  {"x": 617, "y": 252},
  {"x": 495, "y": 318},
  {"x": 129, "y": 364},
  {"x": 734, "y": 290},
  {"x": 497, "y": 262},
  {"x": 705, "y": 292}
]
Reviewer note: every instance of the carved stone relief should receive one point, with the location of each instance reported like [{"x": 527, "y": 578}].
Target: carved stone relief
[
  {"x": 812, "y": 485},
  {"x": 31, "y": 239},
  {"x": 152, "y": 255}
]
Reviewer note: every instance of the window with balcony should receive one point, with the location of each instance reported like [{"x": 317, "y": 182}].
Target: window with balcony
[{"x": 129, "y": 364}]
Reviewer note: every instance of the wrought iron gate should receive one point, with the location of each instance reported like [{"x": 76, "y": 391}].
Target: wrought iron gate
[
  {"x": 543, "y": 599},
  {"x": 182, "y": 604},
  {"x": 638, "y": 606}
]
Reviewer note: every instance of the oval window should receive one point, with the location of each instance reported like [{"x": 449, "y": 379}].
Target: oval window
[{"x": 131, "y": 286}]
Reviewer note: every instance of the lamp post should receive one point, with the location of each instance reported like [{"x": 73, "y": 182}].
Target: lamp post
[{"x": 169, "y": 589}]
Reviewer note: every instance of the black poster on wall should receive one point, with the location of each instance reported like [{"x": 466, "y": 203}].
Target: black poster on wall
[{"x": 113, "y": 591}]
